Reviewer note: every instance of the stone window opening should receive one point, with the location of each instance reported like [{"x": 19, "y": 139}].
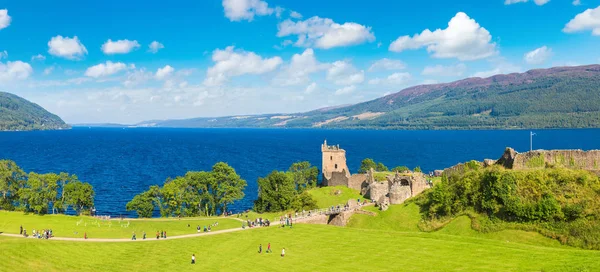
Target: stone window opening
[
  {"x": 404, "y": 182},
  {"x": 336, "y": 166},
  {"x": 331, "y": 158}
]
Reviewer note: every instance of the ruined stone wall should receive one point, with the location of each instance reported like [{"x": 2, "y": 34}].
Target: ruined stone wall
[
  {"x": 419, "y": 183},
  {"x": 335, "y": 179},
  {"x": 575, "y": 159},
  {"x": 334, "y": 160},
  {"x": 358, "y": 181},
  {"x": 399, "y": 193},
  {"x": 377, "y": 190}
]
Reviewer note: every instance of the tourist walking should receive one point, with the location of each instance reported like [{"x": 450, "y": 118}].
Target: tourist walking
[
  {"x": 283, "y": 252},
  {"x": 165, "y": 234},
  {"x": 269, "y": 248},
  {"x": 260, "y": 248},
  {"x": 21, "y": 229},
  {"x": 85, "y": 235},
  {"x": 144, "y": 237},
  {"x": 157, "y": 235},
  {"x": 133, "y": 236},
  {"x": 193, "y": 259}
]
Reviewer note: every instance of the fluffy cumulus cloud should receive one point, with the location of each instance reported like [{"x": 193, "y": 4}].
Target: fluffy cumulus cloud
[
  {"x": 137, "y": 76},
  {"x": 464, "y": 39},
  {"x": 239, "y": 10},
  {"x": 345, "y": 90},
  {"x": 299, "y": 69},
  {"x": 65, "y": 47},
  {"x": 538, "y": 56},
  {"x": 387, "y": 64},
  {"x": 325, "y": 33},
  {"x": 165, "y": 72},
  {"x": 311, "y": 88},
  {"x": 119, "y": 47},
  {"x": 537, "y": 2},
  {"x": 4, "y": 18},
  {"x": 295, "y": 15},
  {"x": 587, "y": 20},
  {"x": 106, "y": 69},
  {"x": 446, "y": 71},
  {"x": 230, "y": 62},
  {"x": 393, "y": 79},
  {"x": 344, "y": 73},
  {"x": 154, "y": 47},
  {"x": 38, "y": 57},
  {"x": 14, "y": 70}
]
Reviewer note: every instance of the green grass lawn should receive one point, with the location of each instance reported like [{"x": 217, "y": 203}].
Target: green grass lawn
[
  {"x": 72, "y": 226},
  {"x": 397, "y": 218},
  {"x": 308, "y": 248},
  {"x": 327, "y": 197}
]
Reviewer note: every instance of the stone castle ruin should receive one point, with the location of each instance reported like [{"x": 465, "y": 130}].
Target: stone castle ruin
[{"x": 394, "y": 190}]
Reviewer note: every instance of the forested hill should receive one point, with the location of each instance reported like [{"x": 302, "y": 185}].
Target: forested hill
[
  {"x": 17, "y": 113},
  {"x": 560, "y": 97}
]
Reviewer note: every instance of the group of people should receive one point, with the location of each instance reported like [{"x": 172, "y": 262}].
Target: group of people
[
  {"x": 269, "y": 249},
  {"x": 258, "y": 222},
  {"x": 161, "y": 234},
  {"x": 206, "y": 229},
  {"x": 286, "y": 220},
  {"x": 134, "y": 237},
  {"x": 40, "y": 234}
]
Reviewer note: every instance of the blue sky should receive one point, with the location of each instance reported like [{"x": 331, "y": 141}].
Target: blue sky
[{"x": 90, "y": 61}]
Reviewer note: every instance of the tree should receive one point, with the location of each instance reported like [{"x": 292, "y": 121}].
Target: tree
[
  {"x": 417, "y": 169},
  {"x": 276, "y": 192},
  {"x": 142, "y": 204},
  {"x": 39, "y": 192},
  {"x": 305, "y": 176},
  {"x": 381, "y": 168},
  {"x": 229, "y": 185},
  {"x": 400, "y": 169},
  {"x": 12, "y": 179},
  {"x": 366, "y": 165},
  {"x": 79, "y": 195},
  {"x": 304, "y": 201}
]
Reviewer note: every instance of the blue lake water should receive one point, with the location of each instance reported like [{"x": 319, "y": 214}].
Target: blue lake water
[{"x": 121, "y": 163}]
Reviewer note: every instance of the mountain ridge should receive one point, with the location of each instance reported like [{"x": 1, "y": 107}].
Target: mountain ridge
[{"x": 18, "y": 114}]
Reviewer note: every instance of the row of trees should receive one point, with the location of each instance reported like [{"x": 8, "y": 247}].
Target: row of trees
[
  {"x": 282, "y": 191},
  {"x": 369, "y": 163},
  {"x": 196, "y": 193},
  {"x": 42, "y": 193}
]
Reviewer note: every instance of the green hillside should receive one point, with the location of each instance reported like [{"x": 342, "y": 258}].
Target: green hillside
[
  {"x": 17, "y": 113},
  {"x": 561, "y": 97}
]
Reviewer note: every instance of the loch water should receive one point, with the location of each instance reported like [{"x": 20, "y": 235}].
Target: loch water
[{"x": 122, "y": 162}]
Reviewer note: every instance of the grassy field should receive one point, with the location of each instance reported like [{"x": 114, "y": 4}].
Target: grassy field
[
  {"x": 71, "y": 226},
  {"x": 327, "y": 197},
  {"x": 308, "y": 248}
]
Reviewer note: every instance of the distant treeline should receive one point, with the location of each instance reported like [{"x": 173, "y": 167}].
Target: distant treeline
[{"x": 42, "y": 193}]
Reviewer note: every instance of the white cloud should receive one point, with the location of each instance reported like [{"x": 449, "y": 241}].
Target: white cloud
[
  {"x": 3, "y": 54},
  {"x": 119, "y": 47},
  {"x": 164, "y": 72},
  {"x": 325, "y": 33},
  {"x": 48, "y": 70},
  {"x": 387, "y": 64},
  {"x": 4, "y": 18},
  {"x": 501, "y": 66},
  {"x": 587, "y": 20},
  {"x": 14, "y": 70},
  {"x": 311, "y": 88},
  {"x": 464, "y": 39},
  {"x": 137, "y": 77},
  {"x": 105, "y": 69},
  {"x": 345, "y": 90},
  {"x": 393, "y": 79},
  {"x": 343, "y": 73},
  {"x": 238, "y": 10},
  {"x": 230, "y": 63},
  {"x": 155, "y": 46},
  {"x": 576, "y": 2},
  {"x": 65, "y": 47},
  {"x": 446, "y": 71},
  {"x": 295, "y": 15},
  {"x": 538, "y": 56},
  {"x": 299, "y": 69},
  {"x": 537, "y": 2},
  {"x": 37, "y": 57}
]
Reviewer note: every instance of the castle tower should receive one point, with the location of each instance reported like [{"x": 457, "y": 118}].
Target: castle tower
[{"x": 335, "y": 170}]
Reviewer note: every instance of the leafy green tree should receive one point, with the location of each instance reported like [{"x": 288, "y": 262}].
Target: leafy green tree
[
  {"x": 39, "y": 193},
  {"x": 305, "y": 176},
  {"x": 304, "y": 201},
  {"x": 276, "y": 192},
  {"x": 12, "y": 179},
  {"x": 142, "y": 204},
  {"x": 229, "y": 186},
  {"x": 366, "y": 165},
  {"x": 381, "y": 167},
  {"x": 400, "y": 169},
  {"x": 79, "y": 195}
]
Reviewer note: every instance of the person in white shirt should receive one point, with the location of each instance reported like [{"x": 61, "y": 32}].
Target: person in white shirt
[
  {"x": 283, "y": 252},
  {"x": 193, "y": 259}
]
